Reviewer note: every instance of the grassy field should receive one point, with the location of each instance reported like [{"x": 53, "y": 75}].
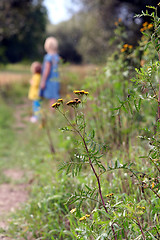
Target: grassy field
[{"x": 66, "y": 204}]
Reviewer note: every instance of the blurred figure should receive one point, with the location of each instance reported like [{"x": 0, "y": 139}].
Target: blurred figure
[
  {"x": 50, "y": 85},
  {"x": 33, "y": 94}
]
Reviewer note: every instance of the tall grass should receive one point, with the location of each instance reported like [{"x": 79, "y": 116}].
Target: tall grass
[{"x": 108, "y": 152}]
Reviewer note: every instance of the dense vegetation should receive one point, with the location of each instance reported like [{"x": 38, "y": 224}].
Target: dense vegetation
[
  {"x": 107, "y": 149},
  {"x": 22, "y": 30},
  {"x": 90, "y": 31},
  {"x": 84, "y": 38}
]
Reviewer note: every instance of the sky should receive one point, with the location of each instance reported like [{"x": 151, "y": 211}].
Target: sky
[{"x": 60, "y": 10}]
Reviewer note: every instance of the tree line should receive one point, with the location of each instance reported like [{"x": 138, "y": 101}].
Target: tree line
[
  {"x": 86, "y": 37},
  {"x": 22, "y": 29}
]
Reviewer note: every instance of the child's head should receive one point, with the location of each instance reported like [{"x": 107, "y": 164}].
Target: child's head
[
  {"x": 36, "y": 67},
  {"x": 51, "y": 44}
]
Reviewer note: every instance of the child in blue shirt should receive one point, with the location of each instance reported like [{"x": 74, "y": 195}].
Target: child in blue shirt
[{"x": 50, "y": 85}]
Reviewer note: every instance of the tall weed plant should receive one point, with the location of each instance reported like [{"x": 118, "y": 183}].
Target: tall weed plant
[{"x": 119, "y": 216}]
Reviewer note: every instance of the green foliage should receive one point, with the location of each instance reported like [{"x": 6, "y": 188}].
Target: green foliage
[
  {"x": 23, "y": 25},
  {"x": 109, "y": 157},
  {"x": 72, "y": 33},
  {"x": 124, "y": 217}
]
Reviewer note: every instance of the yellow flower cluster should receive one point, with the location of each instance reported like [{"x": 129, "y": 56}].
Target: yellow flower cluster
[
  {"x": 142, "y": 208},
  {"x": 125, "y": 47},
  {"x": 84, "y": 217},
  {"x": 146, "y": 26},
  {"x": 74, "y": 102},
  {"x": 109, "y": 195},
  {"x": 80, "y": 92},
  {"x": 56, "y": 105}
]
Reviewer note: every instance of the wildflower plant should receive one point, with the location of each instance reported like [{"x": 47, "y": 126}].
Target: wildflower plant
[
  {"x": 114, "y": 217},
  {"x": 145, "y": 96},
  {"x": 107, "y": 209},
  {"x": 90, "y": 155}
]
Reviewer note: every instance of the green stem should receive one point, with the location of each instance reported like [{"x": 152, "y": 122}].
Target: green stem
[
  {"x": 93, "y": 169},
  {"x": 139, "y": 225},
  {"x": 52, "y": 149}
]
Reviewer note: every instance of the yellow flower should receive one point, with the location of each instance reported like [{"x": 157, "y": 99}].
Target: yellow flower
[
  {"x": 60, "y": 100},
  {"x": 145, "y": 24},
  {"x": 87, "y": 215},
  {"x": 82, "y": 218},
  {"x": 73, "y": 210},
  {"x": 109, "y": 195},
  {"x": 86, "y": 93},
  {"x": 150, "y": 25},
  {"x": 77, "y": 100},
  {"x": 123, "y": 50},
  {"x": 130, "y": 46},
  {"x": 82, "y": 91},
  {"x": 152, "y": 185},
  {"x": 142, "y": 29},
  {"x": 72, "y": 102},
  {"x": 79, "y": 92},
  {"x": 125, "y": 45},
  {"x": 76, "y": 91},
  {"x": 56, "y": 105},
  {"x": 158, "y": 4}
]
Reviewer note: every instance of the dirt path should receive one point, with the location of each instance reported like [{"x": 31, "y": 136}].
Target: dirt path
[{"x": 12, "y": 195}]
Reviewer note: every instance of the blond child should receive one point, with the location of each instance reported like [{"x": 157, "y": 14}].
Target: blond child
[
  {"x": 34, "y": 90},
  {"x": 50, "y": 85}
]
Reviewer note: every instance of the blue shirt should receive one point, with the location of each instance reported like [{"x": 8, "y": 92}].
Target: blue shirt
[{"x": 52, "y": 88}]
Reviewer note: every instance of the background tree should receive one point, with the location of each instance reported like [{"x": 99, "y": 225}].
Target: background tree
[
  {"x": 96, "y": 23},
  {"x": 22, "y": 29},
  {"x": 68, "y": 34}
]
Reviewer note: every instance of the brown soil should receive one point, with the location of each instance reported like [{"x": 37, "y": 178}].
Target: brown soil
[
  {"x": 7, "y": 78},
  {"x": 12, "y": 196}
]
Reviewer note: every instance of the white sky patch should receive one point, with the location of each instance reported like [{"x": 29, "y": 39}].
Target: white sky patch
[{"x": 60, "y": 10}]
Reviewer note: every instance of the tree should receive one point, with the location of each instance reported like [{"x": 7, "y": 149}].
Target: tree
[
  {"x": 22, "y": 29},
  {"x": 99, "y": 17},
  {"x": 68, "y": 34}
]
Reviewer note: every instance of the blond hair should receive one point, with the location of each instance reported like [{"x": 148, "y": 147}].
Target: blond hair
[
  {"x": 36, "y": 67},
  {"x": 51, "y": 44}
]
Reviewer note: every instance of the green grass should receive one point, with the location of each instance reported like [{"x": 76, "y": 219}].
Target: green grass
[
  {"x": 46, "y": 215},
  {"x": 16, "y": 68}
]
